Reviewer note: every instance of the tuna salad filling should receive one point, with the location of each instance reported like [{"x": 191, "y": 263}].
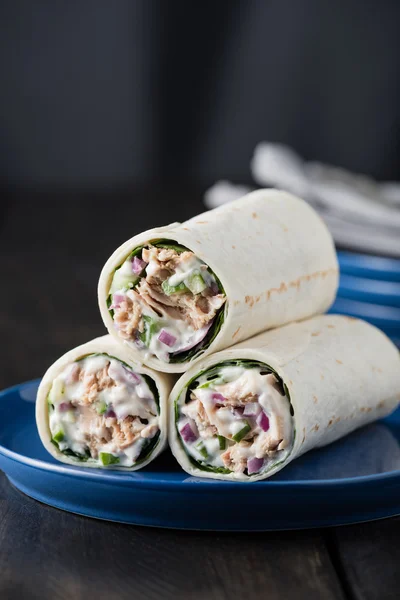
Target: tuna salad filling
[
  {"x": 100, "y": 410},
  {"x": 166, "y": 302},
  {"x": 236, "y": 417}
]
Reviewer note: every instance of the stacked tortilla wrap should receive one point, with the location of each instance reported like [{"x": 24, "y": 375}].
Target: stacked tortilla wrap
[
  {"x": 173, "y": 294},
  {"x": 96, "y": 408},
  {"x": 246, "y": 412}
]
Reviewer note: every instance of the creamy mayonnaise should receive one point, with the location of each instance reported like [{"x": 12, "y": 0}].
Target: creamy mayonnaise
[
  {"x": 239, "y": 420},
  {"x": 101, "y": 410}
]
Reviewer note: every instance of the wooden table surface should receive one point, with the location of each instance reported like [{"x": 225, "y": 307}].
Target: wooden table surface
[{"x": 52, "y": 247}]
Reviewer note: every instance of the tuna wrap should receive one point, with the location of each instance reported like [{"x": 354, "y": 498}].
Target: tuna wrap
[
  {"x": 97, "y": 408},
  {"x": 246, "y": 412},
  {"x": 174, "y": 293}
]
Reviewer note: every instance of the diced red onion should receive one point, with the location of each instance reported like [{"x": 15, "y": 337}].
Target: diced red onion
[
  {"x": 138, "y": 265},
  {"x": 187, "y": 433},
  {"x": 110, "y": 413},
  {"x": 166, "y": 338},
  {"x": 254, "y": 465},
  {"x": 251, "y": 409},
  {"x": 214, "y": 288},
  {"x": 217, "y": 397},
  {"x": 238, "y": 411},
  {"x": 132, "y": 377},
  {"x": 263, "y": 421},
  {"x": 116, "y": 301},
  {"x": 65, "y": 406}
]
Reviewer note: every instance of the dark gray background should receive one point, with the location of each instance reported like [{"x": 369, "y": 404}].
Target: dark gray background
[{"x": 99, "y": 93}]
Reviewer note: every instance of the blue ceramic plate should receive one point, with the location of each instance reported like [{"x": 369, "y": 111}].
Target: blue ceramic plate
[
  {"x": 386, "y": 318},
  {"x": 365, "y": 265},
  {"x": 355, "y": 479},
  {"x": 374, "y": 291}
]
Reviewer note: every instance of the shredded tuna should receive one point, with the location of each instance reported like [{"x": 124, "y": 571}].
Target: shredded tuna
[
  {"x": 94, "y": 383},
  {"x": 195, "y": 410},
  {"x": 100, "y": 429},
  {"x": 235, "y": 458},
  {"x": 167, "y": 261},
  {"x": 258, "y": 431},
  {"x": 128, "y": 315},
  {"x": 236, "y": 394},
  {"x": 196, "y": 310}
]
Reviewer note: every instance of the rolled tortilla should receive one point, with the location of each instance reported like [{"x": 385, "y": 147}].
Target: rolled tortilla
[
  {"x": 264, "y": 260},
  {"x": 246, "y": 412},
  {"x": 97, "y": 408}
]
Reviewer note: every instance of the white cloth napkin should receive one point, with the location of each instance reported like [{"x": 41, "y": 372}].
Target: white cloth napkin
[{"x": 363, "y": 215}]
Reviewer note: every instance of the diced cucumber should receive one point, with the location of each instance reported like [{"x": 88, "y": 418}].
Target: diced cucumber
[
  {"x": 59, "y": 436},
  {"x": 56, "y": 392},
  {"x": 208, "y": 384},
  {"x": 241, "y": 433},
  {"x": 173, "y": 289},
  {"x": 150, "y": 328},
  {"x": 101, "y": 407},
  {"x": 108, "y": 459},
  {"x": 123, "y": 281},
  {"x": 196, "y": 283},
  {"x": 222, "y": 442},
  {"x": 202, "y": 449}
]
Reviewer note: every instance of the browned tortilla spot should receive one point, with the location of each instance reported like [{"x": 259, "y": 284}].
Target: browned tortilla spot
[
  {"x": 339, "y": 362},
  {"x": 315, "y": 333},
  {"x": 283, "y": 287},
  {"x": 304, "y": 435},
  {"x": 330, "y": 422},
  {"x": 331, "y": 326},
  {"x": 377, "y": 369},
  {"x": 236, "y": 332},
  {"x": 249, "y": 300},
  {"x": 234, "y": 247},
  {"x": 201, "y": 222},
  {"x": 236, "y": 302},
  {"x": 186, "y": 228},
  {"x": 322, "y": 377},
  {"x": 254, "y": 215},
  {"x": 316, "y": 427},
  {"x": 258, "y": 298},
  {"x": 315, "y": 399},
  {"x": 381, "y": 404}
]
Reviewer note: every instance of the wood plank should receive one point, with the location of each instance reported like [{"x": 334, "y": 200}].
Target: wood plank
[
  {"x": 367, "y": 557},
  {"x": 50, "y": 554}
]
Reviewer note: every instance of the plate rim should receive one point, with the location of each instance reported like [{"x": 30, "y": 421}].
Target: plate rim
[{"x": 380, "y": 263}]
